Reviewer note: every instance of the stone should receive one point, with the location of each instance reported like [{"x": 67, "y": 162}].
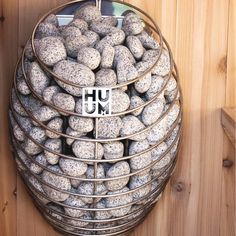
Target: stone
[
  {"x": 57, "y": 181},
  {"x": 88, "y": 13},
  {"x": 107, "y": 56},
  {"x": 118, "y": 169},
  {"x": 38, "y": 135},
  {"x": 89, "y": 57},
  {"x": 46, "y": 29},
  {"x": 120, "y": 101},
  {"x": 140, "y": 161},
  {"x": 92, "y": 37},
  {"x": 158, "y": 132},
  {"x": 73, "y": 44},
  {"x": 148, "y": 41},
  {"x": 75, "y": 73},
  {"x": 54, "y": 124},
  {"x": 132, "y": 24},
  {"x": 109, "y": 127},
  {"x": 119, "y": 201},
  {"x": 70, "y": 31},
  {"x": 135, "y": 46},
  {"x": 72, "y": 167},
  {"x": 113, "y": 150},
  {"x": 64, "y": 101},
  {"x": 105, "y": 77},
  {"x": 132, "y": 125},
  {"x": 40, "y": 158},
  {"x": 137, "y": 181},
  {"x": 54, "y": 145},
  {"x": 81, "y": 124},
  {"x": 136, "y": 101},
  {"x": 49, "y": 92},
  {"x": 74, "y": 201},
  {"x": 73, "y": 133},
  {"x": 82, "y": 25},
  {"x": 86, "y": 150},
  {"x": 153, "y": 111},
  {"x": 51, "y": 50}
]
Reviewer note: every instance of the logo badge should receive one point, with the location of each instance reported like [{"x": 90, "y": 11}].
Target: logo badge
[{"x": 96, "y": 101}]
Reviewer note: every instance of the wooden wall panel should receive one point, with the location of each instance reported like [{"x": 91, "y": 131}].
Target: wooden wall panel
[{"x": 200, "y": 198}]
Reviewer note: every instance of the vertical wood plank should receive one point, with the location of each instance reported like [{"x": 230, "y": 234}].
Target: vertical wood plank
[
  {"x": 164, "y": 14},
  {"x": 201, "y": 28},
  {"x": 229, "y": 177},
  {"x": 29, "y": 13},
  {"x": 8, "y": 57}
]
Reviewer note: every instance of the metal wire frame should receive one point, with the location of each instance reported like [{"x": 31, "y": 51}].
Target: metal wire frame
[
  {"x": 96, "y": 180},
  {"x": 150, "y": 197},
  {"x": 175, "y": 124},
  {"x": 172, "y": 65},
  {"x": 152, "y": 193},
  {"x": 103, "y": 140},
  {"x": 53, "y": 11}
]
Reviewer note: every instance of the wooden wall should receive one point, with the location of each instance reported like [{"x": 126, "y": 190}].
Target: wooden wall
[{"x": 200, "y": 198}]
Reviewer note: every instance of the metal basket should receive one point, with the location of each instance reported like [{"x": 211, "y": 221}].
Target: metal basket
[{"x": 140, "y": 207}]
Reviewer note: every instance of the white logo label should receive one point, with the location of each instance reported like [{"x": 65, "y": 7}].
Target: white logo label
[{"x": 96, "y": 101}]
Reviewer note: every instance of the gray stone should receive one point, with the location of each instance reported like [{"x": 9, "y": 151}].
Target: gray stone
[
  {"x": 73, "y": 133},
  {"x": 57, "y": 181},
  {"x": 81, "y": 124},
  {"x": 102, "y": 29},
  {"x": 137, "y": 181},
  {"x": 49, "y": 92},
  {"x": 132, "y": 24},
  {"x": 120, "y": 101},
  {"x": 132, "y": 125},
  {"x": 45, "y": 113},
  {"x": 51, "y": 50},
  {"x": 46, "y": 29},
  {"x": 73, "y": 44},
  {"x": 93, "y": 38},
  {"x": 75, "y": 73},
  {"x": 135, "y": 46},
  {"x": 113, "y": 150},
  {"x": 157, "y": 133},
  {"x": 141, "y": 161},
  {"x": 126, "y": 71},
  {"x": 52, "y": 19},
  {"x": 109, "y": 127},
  {"x": 70, "y": 31},
  {"x": 106, "y": 77},
  {"x": 118, "y": 169},
  {"x": 86, "y": 150},
  {"x": 54, "y": 145},
  {"x": 107, "y": 56},
  {"x": 148, "y": 41},
  {"x": 72, "y": 167},
  {"x": 40, "y": 158},
  {"x": 82, "y": 25},
  {"x": 89, "y": 57},
  {"x": 55, "y": 124},
  {"x": 89, "y": 13},
  {"x": 64, "y": 101},
  {"x": 153, "y": 111},
  {"x": 119, "y": 201},
  {"x": 136, "y": 101},
  {"x": 100, "y": 174},
  {"x": 38, "y": 134},
  {"x": 74, "y": 201}
]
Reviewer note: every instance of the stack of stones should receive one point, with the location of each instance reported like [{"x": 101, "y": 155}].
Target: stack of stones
[{"x": 84, "y": 187}]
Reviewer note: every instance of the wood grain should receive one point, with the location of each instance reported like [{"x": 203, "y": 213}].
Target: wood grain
[
  {"x": 200, "y": 198},
  {"x": 8, "y": 57}
]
